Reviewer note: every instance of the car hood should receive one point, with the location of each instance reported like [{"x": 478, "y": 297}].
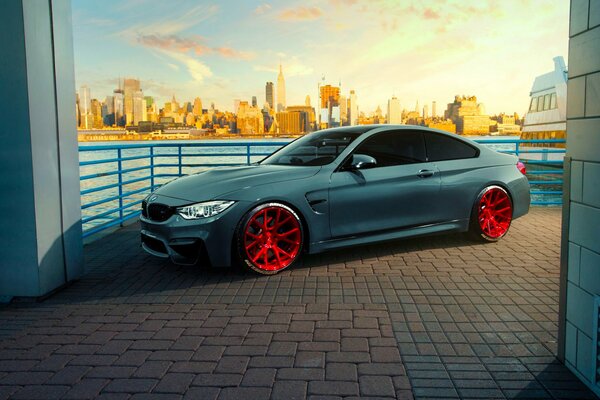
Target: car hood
[{"x": 216, "y": 182}]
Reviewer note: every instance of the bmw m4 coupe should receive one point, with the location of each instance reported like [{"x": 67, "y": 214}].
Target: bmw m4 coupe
[{"x": 335, "y": 188}]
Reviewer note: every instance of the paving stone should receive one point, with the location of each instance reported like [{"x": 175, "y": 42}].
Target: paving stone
[
  {"x": 174, "y": 383},
  {"x": 341, "y": 372},
  {"x": 86, "y": 389},
  {"x": 375, "y": 385},
  {"x": 133, "y": 385},
  {"x": 337, "y": 388},
  {"x": 293, "y": 390},
  {"x": 236, "y": 393}
]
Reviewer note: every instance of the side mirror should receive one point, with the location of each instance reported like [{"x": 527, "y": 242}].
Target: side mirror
[{"x": 361, "y": 161}]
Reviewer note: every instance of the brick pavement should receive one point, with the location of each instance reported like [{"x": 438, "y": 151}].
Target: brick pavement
[{"x": 437, "y": 317}]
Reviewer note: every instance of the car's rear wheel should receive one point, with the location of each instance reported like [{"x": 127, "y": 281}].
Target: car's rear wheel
[
  {"x": 270, "y": 238},
  {"x": 492, "y": 214}
]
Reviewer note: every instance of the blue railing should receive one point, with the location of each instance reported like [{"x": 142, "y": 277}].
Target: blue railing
[{"x": 115, "y": 178}]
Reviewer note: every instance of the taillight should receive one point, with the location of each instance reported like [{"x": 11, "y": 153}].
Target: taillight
[{"x": 521, "y": 168}]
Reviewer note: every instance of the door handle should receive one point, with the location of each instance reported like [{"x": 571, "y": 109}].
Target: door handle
[{"x": 425, "y": 173}]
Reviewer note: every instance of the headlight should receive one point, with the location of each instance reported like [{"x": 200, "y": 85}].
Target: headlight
[{"x": 204, "y": 210}]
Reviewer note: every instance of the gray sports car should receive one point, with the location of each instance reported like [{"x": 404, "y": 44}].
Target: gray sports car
[{"x": 335, "y": 188}]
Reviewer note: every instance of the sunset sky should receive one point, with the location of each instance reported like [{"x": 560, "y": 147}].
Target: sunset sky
[{"x": 421, "y": 50}]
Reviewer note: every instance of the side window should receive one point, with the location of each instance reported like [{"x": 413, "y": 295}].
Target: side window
[
  {"x": 546, "y": 102},
  {"x": 394, "y": 148},
  {"x": 553, "y": 101},
  {"x": 441, "y": 147}
]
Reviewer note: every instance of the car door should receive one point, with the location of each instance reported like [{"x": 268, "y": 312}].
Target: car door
[
  {"x": 460, "y": 173},
  {"x": 400, "y": 191}
]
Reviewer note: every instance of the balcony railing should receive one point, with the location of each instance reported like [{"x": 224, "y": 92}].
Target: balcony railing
[{"x": 115, "y": 178}]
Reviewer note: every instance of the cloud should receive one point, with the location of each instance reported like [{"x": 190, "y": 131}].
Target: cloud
[
  {"x": 430, "y": 14},
  {"x": 197, "y": 70},
  {"x": 300, "y": 14},
  {"x": 196, "y": 44},
  {"x": 263, "y": 8},
  {"x": 172, "y": 23}
]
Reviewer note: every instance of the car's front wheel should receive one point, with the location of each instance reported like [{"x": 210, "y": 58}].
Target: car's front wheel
[
  {"x": 270, "y": 238},
  {"x": 492, "y": 214}
]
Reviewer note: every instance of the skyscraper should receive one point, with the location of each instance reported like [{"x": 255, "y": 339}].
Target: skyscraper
[
  {"x": 269, "y": 94},
  {"x": 394, "y": 111},
  {"x": 130, "y": 86},
  {"x": 353, "y": 108},
  {"x": 139, "y": 107},
  {"x": 280, "y": 90},
  {"x": 426, "y": 111},
  {"x": 343, "y": 110},
  {"x": 118, "y": 106},
  {"x": 197, "y": 111},
  {"x": 85, "y": 108},
  {"x": 254, "y": 102},
  {"x": 433, "y": 110}
]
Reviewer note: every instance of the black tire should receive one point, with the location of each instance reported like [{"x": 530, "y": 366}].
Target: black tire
[
  {"x": 477, "y": 220},
  {"x": 273, "y": 249}
]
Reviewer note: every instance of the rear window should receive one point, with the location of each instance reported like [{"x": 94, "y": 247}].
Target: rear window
[{"x": 441, "y": 147}]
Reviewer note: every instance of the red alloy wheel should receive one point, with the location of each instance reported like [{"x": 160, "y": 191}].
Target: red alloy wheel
[
  {"x": 272, "y": 238},
  {"x": 495, "y": 212}
]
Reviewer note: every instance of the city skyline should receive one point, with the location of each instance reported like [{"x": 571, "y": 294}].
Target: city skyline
[{"x": 420, "y": 51}]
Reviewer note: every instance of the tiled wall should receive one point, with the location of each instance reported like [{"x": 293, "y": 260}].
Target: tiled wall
[{"x": 583, "y": 146}]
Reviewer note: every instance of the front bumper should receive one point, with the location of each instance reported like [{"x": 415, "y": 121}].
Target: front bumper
[{"x": 203, "y": 241}]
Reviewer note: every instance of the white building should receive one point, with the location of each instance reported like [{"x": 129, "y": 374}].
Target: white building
[
  {"x": 394, "y": 111},
  {"x": 280, "y": 91}
]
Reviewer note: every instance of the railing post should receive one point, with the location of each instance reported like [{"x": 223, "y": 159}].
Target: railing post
[
  {"x": 151, "y": 169},
  {"x": 120, "y": 175},
  {"x": 517, "y": 144},
  {"x": 248, "y": 154},
  {"x": 180, "y": 167}
]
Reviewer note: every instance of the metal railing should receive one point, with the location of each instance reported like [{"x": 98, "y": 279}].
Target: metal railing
[{"x": 115, "y": 178}]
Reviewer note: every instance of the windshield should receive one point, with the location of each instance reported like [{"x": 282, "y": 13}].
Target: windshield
[{"x": 318, "y": 148}]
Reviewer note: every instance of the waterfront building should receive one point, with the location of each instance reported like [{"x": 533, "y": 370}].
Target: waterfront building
[
  {"x": 108, "y": 111},
  {"x": 96, "y": 112},
  {"x": 280, "y": 90},
  {"x": 433, "y": 109},
  {"x": 85, "y": 108},
  {"x": 292, "y": 122},
  {"x": 190, "y": 119},
  {"x": 249, "y": 119},
  {"x": 139, "y": 108},
  {"x": 307, "y": 101},
  {"x": 343, "y": 110},
  {"x": 426, "y": 111},
  {"x": 394, "y": 113},
  {"x": 547, "y": 116},
  {"x": 443, "y": 125},
  {"x": 130, "y": 86},
  {"x": 236, "y": 105},
  {"x": 329, "y": 111},
  {"x": 310, "y": 116},
  {"x": 269, "y": 94},
  {"x": 353, "y": 108},
  {"x": 468, "y": 116},
  {"x": 197, "y": 110},
  {"x": 254, "y": 102},
  {"x": 119, "y": 107}
]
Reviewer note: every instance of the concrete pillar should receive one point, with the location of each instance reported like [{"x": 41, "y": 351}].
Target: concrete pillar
[
  {"x": 580, "y": 266},
  {"x": 40, "y": 215}
]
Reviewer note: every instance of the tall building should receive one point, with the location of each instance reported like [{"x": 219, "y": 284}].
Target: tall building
[
  {"x": 269, "y": 94},
  {"x": 394, "y": 111},
  {"x": 280, "y": 90},
  {"x": 130, "y": 86},
  {"x": 330, "y": 96},
  {"x": 250, "y": 120},
  {"x": 353, "y": 108},
  {"x": 468, "y": 116},
  {"x": 236, "y": 105},
  {"x": 426, "y": 111},
  {"x": 254, "y": 102},
  {"x": 433, "y": 109},
  {"x": 197, "y": 111},
  {"x": 85, "y": 108},
  {"x": 139, "y": 107},
  {"x": 119, "y": 107},
  {"x": 307, "y": 101},
  {"x": 108, "y": 111},
  {"x": 343, "y": 110}
]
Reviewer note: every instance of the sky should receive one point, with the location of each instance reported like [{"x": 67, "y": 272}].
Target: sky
[{"x": 416, "y": 50}]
